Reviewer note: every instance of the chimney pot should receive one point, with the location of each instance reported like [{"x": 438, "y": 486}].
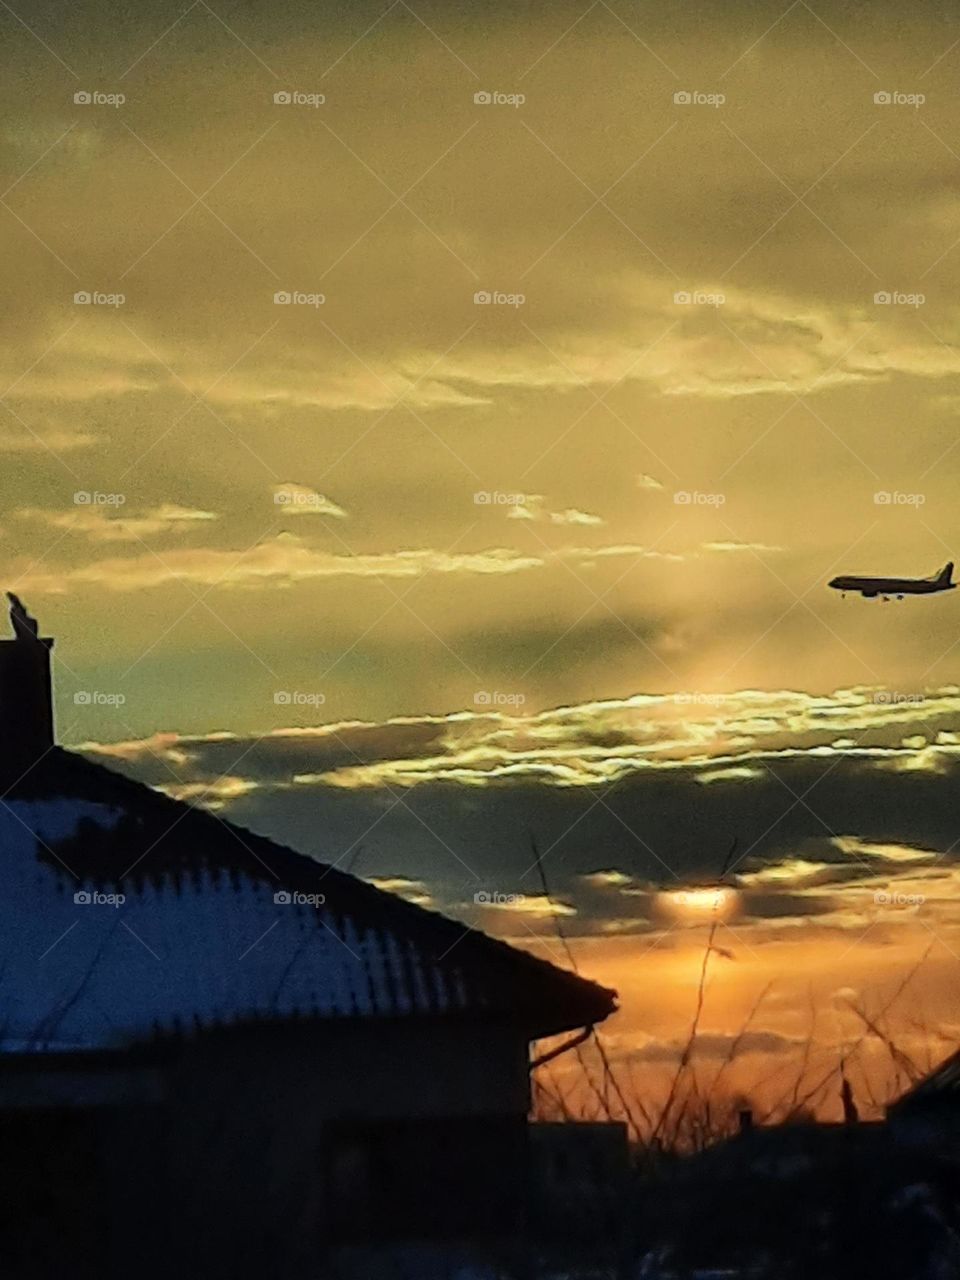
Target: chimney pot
[{"x": 26, "y": 695}]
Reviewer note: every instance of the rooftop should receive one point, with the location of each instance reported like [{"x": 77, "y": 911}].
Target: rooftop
[{"x": 127, "y": 915}]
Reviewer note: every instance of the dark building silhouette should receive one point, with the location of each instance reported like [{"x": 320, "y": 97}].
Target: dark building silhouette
[{"x": 220, "y": 1057}]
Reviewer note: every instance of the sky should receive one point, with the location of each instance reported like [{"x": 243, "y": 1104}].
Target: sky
[{"x": 428, "y": 429}]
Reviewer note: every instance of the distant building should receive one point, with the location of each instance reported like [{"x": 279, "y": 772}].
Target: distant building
[
  {"x": 828, "y": 1201},
  {"x": 219, "y": 1057}
]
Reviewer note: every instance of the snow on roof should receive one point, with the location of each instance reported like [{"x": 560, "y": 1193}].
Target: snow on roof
[{"x": 125, "y": 914}]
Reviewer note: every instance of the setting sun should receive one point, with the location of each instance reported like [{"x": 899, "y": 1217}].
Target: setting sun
[{"x": 700, "y": 903}]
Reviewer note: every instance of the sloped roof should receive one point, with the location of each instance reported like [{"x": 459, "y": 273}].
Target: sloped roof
[
  {"x": 211, "y": 931},
  {"x": 942, "y": 1085}
]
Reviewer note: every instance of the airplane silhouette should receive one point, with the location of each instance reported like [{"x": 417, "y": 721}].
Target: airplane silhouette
[{"x": 870, "y": 588}]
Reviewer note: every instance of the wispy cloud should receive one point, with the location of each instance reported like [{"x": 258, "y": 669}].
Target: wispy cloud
[
  {"x": 572, "y": 515},
  {"x": 105, "y": 523},
  {"x": 301, "y": 500}
]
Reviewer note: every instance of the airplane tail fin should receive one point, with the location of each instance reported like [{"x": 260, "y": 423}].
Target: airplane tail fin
[{"x": 946, "y": 574}]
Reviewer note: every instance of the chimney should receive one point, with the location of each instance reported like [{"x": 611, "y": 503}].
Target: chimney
[{"x": 26, "y": 696}]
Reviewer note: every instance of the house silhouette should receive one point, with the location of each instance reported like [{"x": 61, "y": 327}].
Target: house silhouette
[{"x": 221, "y": 1056}]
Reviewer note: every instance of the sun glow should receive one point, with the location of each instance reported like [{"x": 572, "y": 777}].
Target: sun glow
[{"x": 699, "y": 903}]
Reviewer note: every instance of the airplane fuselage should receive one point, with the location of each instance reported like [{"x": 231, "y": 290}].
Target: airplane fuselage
[{"x": 890, "y": 586}]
